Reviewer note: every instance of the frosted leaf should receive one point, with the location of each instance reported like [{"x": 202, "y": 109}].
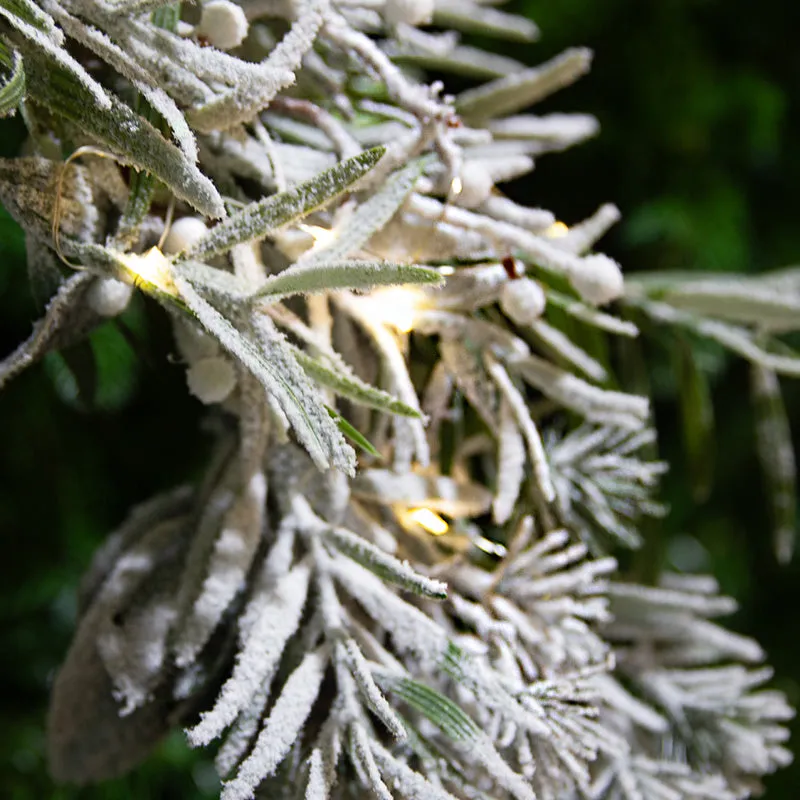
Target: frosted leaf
[
  {"x": 364, "y": 680},
  {"x": 348, "y": 385},
  {"x": 512, "y": 93},
  {"x": 227, "y": 568},
  {"x": 369, "y": 217},
  {"x": 385, "y": 565},
  {"x": 476, "y": 184},
  {"x": 466, "y": 368},
  {"x": 259, "y": 220},
  {"x": 332, "y": 276},
  {"x": 777, "y": 458},
  {"x": 476, "y": 17},
  {"x": 272, "y": 363},
  {"x": 528, "y": 427},
  {"x": 281, "y": 728},
  {"x": 279, "y": 616},
  {"x": 12, "y": 89},
  {"x": 130, "y": 137},
  {"x": 255, "y": 89},
  {"x": 66, "y": 320},
  {"x": 733, "y": 337},
  {"x": 510, "y": 465},
  {"x": 597, "y": 405},
  {"x": 559, "y": 343}
]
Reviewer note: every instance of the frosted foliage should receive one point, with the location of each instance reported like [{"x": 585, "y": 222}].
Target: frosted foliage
[{"x": 395, "y": 576}]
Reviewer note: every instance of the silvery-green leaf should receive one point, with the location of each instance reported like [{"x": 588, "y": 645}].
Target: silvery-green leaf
[
  {"x": 384, "y": 565},
  {"x": 131, "y": 138},
  {"x": 774, "y": 439},
  {"x": 349, "y": 385},
  {"x": 515, "y": 92},
  {"x": 267, "y": 355},
  {"x": 265, "y": 217},
  {"x": 67, "y": 319},
  {"x": 283, "y": 726},
  {"x": 12, "y": 90},
  {"x": 460, "y": 60},
  {"x": 486, "y": 21},
  {"x": 333, "y": 276},
  {"x": 737, "y": 339},
  {"x": 368, "y": 218}
]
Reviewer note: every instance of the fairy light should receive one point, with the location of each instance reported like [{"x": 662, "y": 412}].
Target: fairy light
[
  {"x": 557, "y": 230},
  {"x": 396, "y": 307},
  {"x": 429, "y": 520},
  {"x": 456, "y": 186},
  {"x": 153, "y": 267},
  {"x": 322, "y": 236}
]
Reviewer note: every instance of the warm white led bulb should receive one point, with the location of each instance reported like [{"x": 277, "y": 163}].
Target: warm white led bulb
[
  {"x": 410, "y": 12},
  {"x": 224, "y": 24},
  {"x": 598, "y": 279},
  {"x": 211, "y": 380},
  {"x": 522, "y": 301},
  {"x": 184, "y": 233},
  {"x": 109, "y": 297}
]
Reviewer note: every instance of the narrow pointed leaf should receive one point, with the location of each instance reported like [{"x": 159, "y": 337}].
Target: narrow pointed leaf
[
  {"x": 384, "y": 565},
  {"x": 12, "y": 90},
  {"x": 131, "y": 138},
  {"x": 777, "y": 458},
  {"x": 281, "y": 376},
  {"x": 358, "y": 275},
  {"x": 349, "y": 385},
  {"x": 265, "y": 217}
]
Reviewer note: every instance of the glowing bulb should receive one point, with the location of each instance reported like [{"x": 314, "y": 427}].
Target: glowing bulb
[
  {"x": 457, "y": 186},
  {"x": 396, "y": 307},
  {"x": 429, "y": 520},
  {"x": 557, "y": 230},
  {"x": 322, "y": 236},
  {"x": 152, "y": 267}
]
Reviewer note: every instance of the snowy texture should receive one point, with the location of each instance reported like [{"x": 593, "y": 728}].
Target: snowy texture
[{"x": 394, "y": 576}]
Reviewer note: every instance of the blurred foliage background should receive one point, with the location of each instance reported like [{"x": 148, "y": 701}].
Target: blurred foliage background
[{"x": 699, "y": 103}]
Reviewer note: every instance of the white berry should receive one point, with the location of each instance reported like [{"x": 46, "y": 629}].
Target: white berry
[
  {"x": 211, "y": 380},
  {"x": 183, "y": 233},
  {"x": 522, "y": 301},
  {"x": 193, "y": 343},
  {"x": 410, "y": 12},
  {"x": 597, "y": 279},
  {"x": 224, "y": 24},
  {"x": 109, "y": 297},
  {"x": 476, "y": 186}
]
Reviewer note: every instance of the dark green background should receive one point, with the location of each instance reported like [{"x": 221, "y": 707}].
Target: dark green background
[{"x": 699, "y": 103}]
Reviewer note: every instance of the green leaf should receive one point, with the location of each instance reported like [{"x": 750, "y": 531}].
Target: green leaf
[
  {"x": 12, "y": 91},
  {"x": 522, "y": 89},
  {"x": 272, "y": 363},
  {"x": 359, "y": 275},
  {"x": 774, "y": 440},
  {"x": 384, "y": 565},
  {"x": 697, "y": 417},
  {"x": 370, "y": 216},
  {"x": 351, "y": 386},
  {"x": 131, "y": 138},
  {"x": 433, "y": 705},
  {"x": 736, "y": 339},
  {"x": 353, "y": 434},
  {"x": 265, "y": 217}
]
